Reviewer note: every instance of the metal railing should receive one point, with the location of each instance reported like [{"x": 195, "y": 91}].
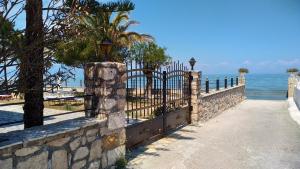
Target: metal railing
[
  {"x": 151, "y": 91},
  {"x": 216, "y": 84}
]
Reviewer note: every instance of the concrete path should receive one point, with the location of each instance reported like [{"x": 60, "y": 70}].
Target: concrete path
[
  {"x": 15, "y": 113},
  {"x": 256, "y": 134}
]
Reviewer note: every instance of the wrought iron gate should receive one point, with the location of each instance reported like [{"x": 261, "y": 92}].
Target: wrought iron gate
[{"x": 158, "y": 100}]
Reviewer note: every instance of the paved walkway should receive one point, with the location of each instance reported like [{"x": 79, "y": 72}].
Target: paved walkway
[
  {"x": 15, "y": 113},
  {"x": 255, "y": 134}
]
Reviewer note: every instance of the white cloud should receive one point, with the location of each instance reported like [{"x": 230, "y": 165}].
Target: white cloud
[
  {"x": 223, "y": 63},
  {"x": 264, "y": 63},
  {"x": 290, "y": 62},
  {"x": 247, "y": 62}
]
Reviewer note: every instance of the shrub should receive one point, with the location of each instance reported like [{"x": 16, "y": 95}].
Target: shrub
[
  {"x": 159, "y": 111},
  {"x": 121, "y": 163},
  {"x": 243, "y": 70},
  {"x": 68, "y": 107},
  {"x": 292, "y": 70}
]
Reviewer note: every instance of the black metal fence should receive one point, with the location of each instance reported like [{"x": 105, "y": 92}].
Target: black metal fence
[
  {"x": 153, "y": 90},
  {"x": 216, "y": 85}
]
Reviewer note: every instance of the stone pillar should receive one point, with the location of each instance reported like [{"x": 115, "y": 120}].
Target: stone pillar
[
  {"x": 292, "y": 81},
  {"x": 107, "y": 83},
  {"x": 242, "y": 79},
  {"x": 195, "y": 96}
]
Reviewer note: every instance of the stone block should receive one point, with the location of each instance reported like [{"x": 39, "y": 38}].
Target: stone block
[
  {"x": 89, "y": 72},
  {"x": 116, "y": 120},
  {"x": 75, "y": 144},
  {"x": 123, "y": 78},
  {"x": 113, "y": 140},
  {"x": 59, "y": 142},
  {"x": 91, "y": 138},
  {"x": 115, "y": 154},
  {"x": 108, "y": 104},
  {"x": 92, "y": 132},
  {"x": 96, "y": 150},
  {"x": 81, "y": 153},
  {"x": 122, "y": 68},
  {"x": 78, "y": 133},
  {"x": 79, "y": 164},
  {"x": 83, "y": 141},
  {"x": 103, "y": 90},
  {"x": 121, "y": 92},
  {"x": 94, "y": 165},
  {"x": 121, "y": 103},
  {"x": 26, "y": 151},
  {"x": 107, "y": 73},
  {"x": 104, "y": 160},
  {"x": 6, "y": 164},
  {"x": 60, "y": 159},
  {"x": 122, "y": 136},
  {"x": 5, "y": 154},
  {"x": 39, "y": 161}
]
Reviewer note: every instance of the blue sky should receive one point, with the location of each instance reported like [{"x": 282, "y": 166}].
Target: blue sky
[{"x": 223, "y": 35}]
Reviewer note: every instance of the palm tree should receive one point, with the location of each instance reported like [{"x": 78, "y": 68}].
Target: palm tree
[
  {"x": 103, "y": 26},
  {"x": 152, "y": 56},
  {"x": 92, "y": 30},
  {"x": 32, "y": 65}
]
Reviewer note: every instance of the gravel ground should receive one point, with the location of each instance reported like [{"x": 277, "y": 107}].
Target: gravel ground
[{"x": 257, "y": 134}]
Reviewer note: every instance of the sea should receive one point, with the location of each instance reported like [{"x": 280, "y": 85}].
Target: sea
[{"x": 258, "y": 86}]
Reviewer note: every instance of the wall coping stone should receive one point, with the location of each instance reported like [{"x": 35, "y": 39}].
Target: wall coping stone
[
  {"x": 44, "y": 134},
  {"x": 214, "y": 92}
]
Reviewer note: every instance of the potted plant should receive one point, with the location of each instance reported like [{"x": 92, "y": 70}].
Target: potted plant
[
  {"x": 292, "y": 71},
  {"x": 243, "y": 70}
]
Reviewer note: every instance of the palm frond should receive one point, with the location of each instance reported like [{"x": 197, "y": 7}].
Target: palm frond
[
  {"x": 122, "y": 5},
  {"x": 124, "y": 27},
  {"x": 121, "y": 17}
]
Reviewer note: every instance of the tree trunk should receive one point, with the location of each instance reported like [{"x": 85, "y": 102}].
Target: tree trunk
[
  {"x": 149, "y": 80},
  {"x": 32, "y": 65}
]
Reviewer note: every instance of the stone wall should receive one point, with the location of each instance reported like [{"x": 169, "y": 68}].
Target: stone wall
[
  {"x": 297, "y": 93},
  {"x": 206, "y": 106},
  {"x": 83, "y": 143},
  {"x": 210, "y": 105},
  {"x": 96, "y": 141}
]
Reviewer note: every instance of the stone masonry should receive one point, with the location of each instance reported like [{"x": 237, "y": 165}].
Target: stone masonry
[
  {"x": 210, "y": 105},
  {"x": 106, "y": 82},
  {"x": 292, "y": 82},
  {"x": 82, "y": 143},
  {"x": 242, "y": 79},
  {"x": 195, "y": 90},
  {"x": 94, "y": 142},
  {"x": 206, "y": 106}
]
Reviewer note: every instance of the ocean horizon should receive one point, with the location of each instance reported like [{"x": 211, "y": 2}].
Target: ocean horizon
[{"x": 258, "y": 86}]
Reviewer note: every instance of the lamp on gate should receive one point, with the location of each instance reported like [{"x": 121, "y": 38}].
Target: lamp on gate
[
  {"x": 106, "y": 46},
  {"x": 192, "y": 62}
]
